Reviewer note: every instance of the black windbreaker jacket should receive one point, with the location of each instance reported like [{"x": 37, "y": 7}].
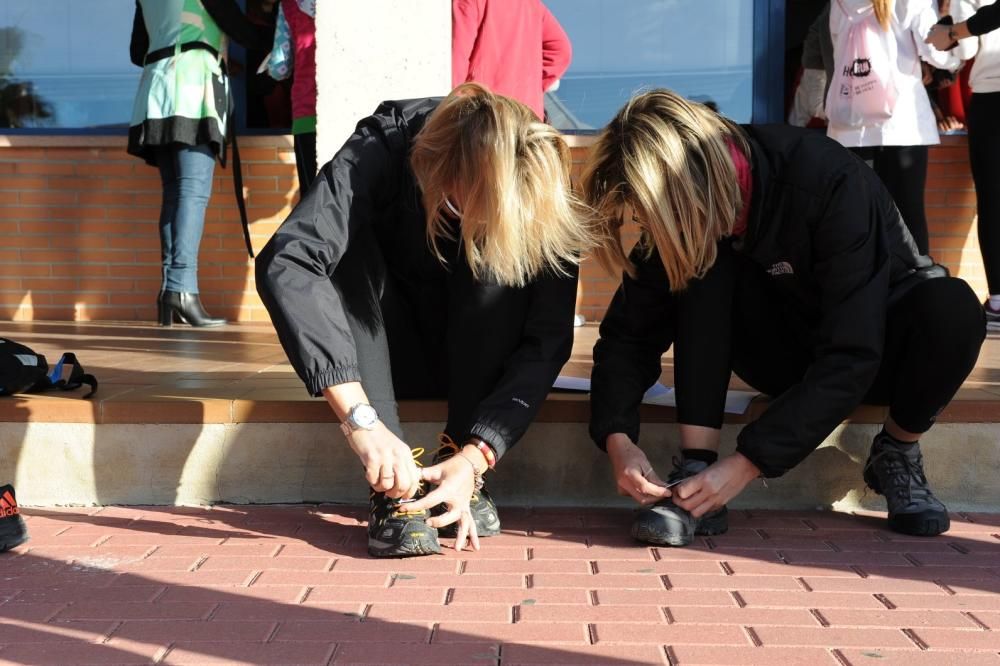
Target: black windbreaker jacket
[
  {"x": 828, "y": 234},
  {"x": 369, "y": 187}
]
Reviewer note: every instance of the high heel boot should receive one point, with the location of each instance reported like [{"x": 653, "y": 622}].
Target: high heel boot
[{"x": 184, "y": 307}]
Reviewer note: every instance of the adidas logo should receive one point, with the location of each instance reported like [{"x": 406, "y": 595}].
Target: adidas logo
[{"x": 8, "y": 505}]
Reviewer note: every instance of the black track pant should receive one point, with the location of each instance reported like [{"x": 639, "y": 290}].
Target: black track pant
[
  {"x": 305, "y": 159},
  {"x": 903, "y": 170},
  {"x": 932, "y": 340},
  {"x": 984, "y": 155},
  {"x": 448, "y": 337}
]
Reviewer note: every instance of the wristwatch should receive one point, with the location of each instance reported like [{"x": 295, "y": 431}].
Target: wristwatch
[{"x": 361, "y": 416}]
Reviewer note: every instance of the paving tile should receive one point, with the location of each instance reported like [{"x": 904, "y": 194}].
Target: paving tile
[
  {"x": 598, "y": 581},
  {"x": 723, "y": 582},
  {"x": 466, "y": 632},
  {"x": 957, "y": 639},
  {"x": 255, "y": 610},
  {"x": 227, "y": 577},
  {"x": 320, "y": 578},
  {"x": 596, "y": 655},
  {"x": 960, "y": 602},
  {"x": 232, "y": 593},
  {"x": 932, "y": 573},
  {"x": 28, "y": 612},
  {"x": 397, "y": 595},
  {"x": 673, "y": 634},
  {"x": 221, "y": 562},
  {"x": 872, "y": 585},
  {"x": 591, "y": 614},
  {"x": 82, "y": 631},
  {"x": 457, "y": 581},
  {"x": 227, "y": 652},
  {"x": 170, "y": 631},
  {"x": 771, "y": 599},
  {"x": 409, "y": 565},
  {"x": 369, "y": 631},
  {"x": 670, "y": 598},
  {"x": 529, "y": 566},
  {"x": 956, "y": 559},
  {"x": 78, "y": 653},
  {"x": 661, "y": 567},
  {"x": 67, "y": 594},
  {"x": 900, "y": 619},
  {"x": 882, "y": 657},
  {"x": 390, "y": 653},
  {"x": 427, "y": 612},
  {"x": 990, "y": 618},
  {"x": 831, "y": 637},
  {"x": 135, "y": 611},
  {"x": 510, "y": 597},
  {"x": 636, "y": 552},
  {"x": 699, "y": 655},
  {"x": 742, "y": 616}
]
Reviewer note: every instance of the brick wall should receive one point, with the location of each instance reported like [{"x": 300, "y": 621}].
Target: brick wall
[{"x": 79, "y": 234}]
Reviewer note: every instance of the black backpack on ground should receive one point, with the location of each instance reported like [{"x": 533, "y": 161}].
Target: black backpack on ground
[{"x": 24, "y": 371}]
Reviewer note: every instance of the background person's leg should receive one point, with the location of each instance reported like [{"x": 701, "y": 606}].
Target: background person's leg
[
  {"x": 166, "y": 163},
  {"x": 305, "y": 159},
  {"x": 903, "y": 170},
  {"x": 194, "y": 167},
  {"x": 984, "y": 158}
]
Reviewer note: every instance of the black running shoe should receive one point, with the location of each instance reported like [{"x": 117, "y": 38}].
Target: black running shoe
[
  {"x": 12, "y": 530},
  {"x": 395, "y": 532},
  {"x": 484, "y": 511},
  {"x": 666, "y": 524},
  {"x": 897, "y": 472}
]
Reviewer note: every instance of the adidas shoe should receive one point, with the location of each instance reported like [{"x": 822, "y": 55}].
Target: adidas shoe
[
  {"x": 12, "y": 530},
  {"x": 395, "y": 532},
  {"x": 897, "y": 472},
  {"x": 666, "y": 524},
  {"x": 484, "y": 511}
]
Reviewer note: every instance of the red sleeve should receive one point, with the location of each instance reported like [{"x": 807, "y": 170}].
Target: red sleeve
[
  {"x": 466, "y": 16},
  {"x": 557, "y": 52}
]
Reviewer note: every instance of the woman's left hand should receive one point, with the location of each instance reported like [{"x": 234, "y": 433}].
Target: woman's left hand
[
  {"x": 715, "y": 486},
  {"x": 938, "y": 37},
  {"x": 455, "y": 483}
]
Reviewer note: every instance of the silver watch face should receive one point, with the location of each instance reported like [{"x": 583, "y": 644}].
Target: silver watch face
[{"x": 363, "y": 416}]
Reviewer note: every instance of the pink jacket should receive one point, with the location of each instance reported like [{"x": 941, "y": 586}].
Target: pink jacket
[
  {"x": 303, "y": 29},
  {"x": 515, "y": 47}
]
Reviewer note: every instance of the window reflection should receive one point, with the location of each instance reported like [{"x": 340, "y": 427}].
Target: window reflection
[{"x": 703, "y": 50}]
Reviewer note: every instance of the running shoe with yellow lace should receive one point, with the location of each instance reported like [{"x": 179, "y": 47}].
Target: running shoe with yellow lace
[
  {"x": 395, "y": 532},
  {"x": 484, "y": 511}
]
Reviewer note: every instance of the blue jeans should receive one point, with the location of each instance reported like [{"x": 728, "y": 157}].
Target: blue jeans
[{"x": 186, "y": 173}]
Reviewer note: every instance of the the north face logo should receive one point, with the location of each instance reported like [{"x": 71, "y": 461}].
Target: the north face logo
[{"x": 780, "y": 268}]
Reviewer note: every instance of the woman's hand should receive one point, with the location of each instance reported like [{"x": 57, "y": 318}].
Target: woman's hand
[
  {"x": 456, "y": 481},
  {"x": 714, "y": 487},
  {"x": 388, "y": 461},
  {"x": 633, "y": 472}
]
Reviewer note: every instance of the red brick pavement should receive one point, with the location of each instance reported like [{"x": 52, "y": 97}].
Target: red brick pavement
[{"x": 270, "y": 585}]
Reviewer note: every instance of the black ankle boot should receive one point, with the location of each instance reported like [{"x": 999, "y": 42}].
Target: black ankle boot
[{"x": 185, "y": 307}]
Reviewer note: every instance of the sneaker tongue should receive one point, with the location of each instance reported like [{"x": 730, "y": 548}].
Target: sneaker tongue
[{"x": 692, "y": 467}]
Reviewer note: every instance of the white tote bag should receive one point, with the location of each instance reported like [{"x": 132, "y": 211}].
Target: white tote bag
[{"x": 863, "y": 92}]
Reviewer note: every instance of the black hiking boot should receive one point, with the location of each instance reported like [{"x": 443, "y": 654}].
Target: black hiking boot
[
  {"x": 666, "y": 524},
  {"x": 897, "y": 472}
]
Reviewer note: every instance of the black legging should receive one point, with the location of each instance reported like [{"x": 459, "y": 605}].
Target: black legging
[
  {"x": 932, "y": 340},
  {"x": 903, "y": 170},
  {"x": 446, "y": 337},
  {"x": 305, "y": 159},
  {"x": 983, "y": 118}
]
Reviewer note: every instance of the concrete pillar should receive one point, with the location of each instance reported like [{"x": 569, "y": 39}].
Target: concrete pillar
[{"x": 368, "y": 51}]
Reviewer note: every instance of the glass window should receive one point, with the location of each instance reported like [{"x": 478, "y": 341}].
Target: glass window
[
  {"x": 65, "y": 63},
  {"x": 703, "y": 50}
]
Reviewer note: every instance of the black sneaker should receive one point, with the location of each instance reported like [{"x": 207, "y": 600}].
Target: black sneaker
[
  {"x": 484, "y": 511},
  {"x": 666, "y": 524},
  {"x": 395, "y": 532},
  {"x": 12, "y": 530},
  {"x": 992, "y": 316},
  {"x": 897, "y": 472}
]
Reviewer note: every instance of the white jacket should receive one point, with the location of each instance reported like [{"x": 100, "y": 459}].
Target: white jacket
[
  {"x": 985, "y": 77},
  {"x": 912, "y": 122}
]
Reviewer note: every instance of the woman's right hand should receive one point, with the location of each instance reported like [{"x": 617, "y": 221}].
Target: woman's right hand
[
  {"x": 388, "y": 461},
  {"x": 633, "y": 472}
]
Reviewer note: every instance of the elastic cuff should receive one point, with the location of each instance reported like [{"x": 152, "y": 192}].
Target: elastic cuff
[
  {"x": 341, "y": 374},
  {"x": 916, "y": 426},
  {"x": 491, "y": 436},
  {"x": 600, "y": 433}
]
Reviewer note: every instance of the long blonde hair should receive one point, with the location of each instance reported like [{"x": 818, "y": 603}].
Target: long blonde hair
[
  {"x": 883, "y": 12},
  {"x": 487, "y": 157},
  {"x": 665, "y": 162}
]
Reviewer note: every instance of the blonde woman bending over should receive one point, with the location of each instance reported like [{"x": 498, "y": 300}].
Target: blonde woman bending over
[
  {"x": 434, "y": 257},
  {"x": 775, "y": 253}
]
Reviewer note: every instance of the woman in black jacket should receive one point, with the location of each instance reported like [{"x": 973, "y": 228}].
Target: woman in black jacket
[
  {"x": 775, "y": 253},
  {"x": 433, "y": 257}
]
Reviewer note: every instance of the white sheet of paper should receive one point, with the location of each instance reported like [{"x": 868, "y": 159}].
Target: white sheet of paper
[{"x": 664, "y": 396}]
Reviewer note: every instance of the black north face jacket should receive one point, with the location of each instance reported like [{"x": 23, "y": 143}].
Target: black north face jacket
[
  {"x": 823, "y": 227},
  {"x": 306, "y": 278}
]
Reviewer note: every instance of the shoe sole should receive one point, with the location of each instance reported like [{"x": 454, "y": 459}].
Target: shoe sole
[
  {"x": 676, "y": 535},
  {"x": 415, "y": 542},
  {"x": 926, "y": 523}
]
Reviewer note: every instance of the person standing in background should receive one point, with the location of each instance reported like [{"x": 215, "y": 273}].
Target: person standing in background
[
  {"x": 897, "y": 149},
  {"x": 979, "y": 19},
  {"x": 179, "y": 124},
  {"x": 294, "y": 55},
  {"x": 516, "y": 48}
]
